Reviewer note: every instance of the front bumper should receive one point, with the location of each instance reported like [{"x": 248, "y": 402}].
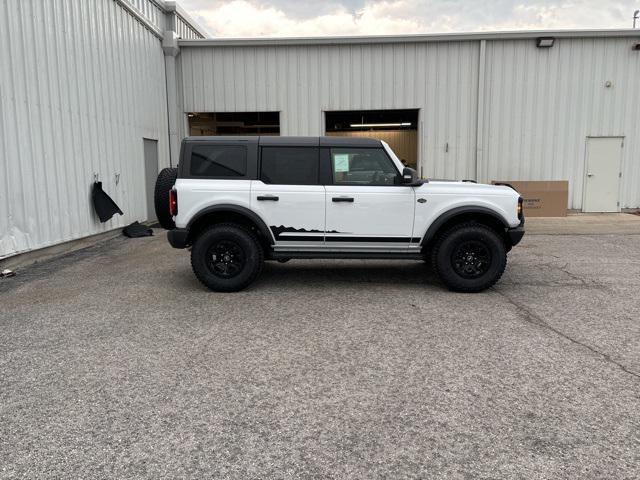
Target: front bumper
[
  {"x": 515, "y": 235},
  {"x": 178, "y": 237}
]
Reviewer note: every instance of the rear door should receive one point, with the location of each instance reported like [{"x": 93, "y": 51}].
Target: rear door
[
  {"x": 368, "y": 209},
  {"x": 289, "y": 197}
]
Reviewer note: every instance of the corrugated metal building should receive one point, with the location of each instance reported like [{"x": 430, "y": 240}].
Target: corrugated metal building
[
  {"x": 491, "y": 106},
  {"x": 82, "y": 84},
  {"x": 106, "y": 89}
]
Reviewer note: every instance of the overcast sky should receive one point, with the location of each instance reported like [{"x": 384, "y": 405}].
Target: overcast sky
[{"x": 255, "y": 18}]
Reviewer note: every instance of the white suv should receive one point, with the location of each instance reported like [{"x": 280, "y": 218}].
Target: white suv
[{"x": 237, "y": 201}]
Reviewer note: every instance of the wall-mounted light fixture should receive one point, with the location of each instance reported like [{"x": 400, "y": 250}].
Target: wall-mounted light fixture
[
  {"x": 545, "y": 42},
  {"x": 371, "y": 125}
]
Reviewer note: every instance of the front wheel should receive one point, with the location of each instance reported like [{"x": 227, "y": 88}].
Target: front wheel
[
  {"x": 469, "y": 257},
  {"x": 226, "y": 257}
]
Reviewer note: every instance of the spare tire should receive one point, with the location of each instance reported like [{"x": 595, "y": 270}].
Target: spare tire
[{"x": 164, "y": 183}]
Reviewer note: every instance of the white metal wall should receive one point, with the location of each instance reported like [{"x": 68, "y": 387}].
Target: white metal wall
[
  {"x": 541, "y": 104},
  {"x": 151, "y": 10},
  {"x": 185, "y": 30},
  {"x": 81, "y": 84},
  {"x": 537, "y": 105},
  {"x": 304, "y": 81}
]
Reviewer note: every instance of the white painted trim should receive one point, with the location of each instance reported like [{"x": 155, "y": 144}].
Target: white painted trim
[
  {"x": 439, "y": 37},
  {"x": 140, "y": 17},
  {"x": 172, "y": 6},
  {"x": 480, "y": 112}
]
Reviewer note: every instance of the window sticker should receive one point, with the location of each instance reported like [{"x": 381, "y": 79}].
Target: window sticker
[{"x": 341, "y": 162}]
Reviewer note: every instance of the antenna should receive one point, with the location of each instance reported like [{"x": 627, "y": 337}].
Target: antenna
[{"x": 635, "y": 17}]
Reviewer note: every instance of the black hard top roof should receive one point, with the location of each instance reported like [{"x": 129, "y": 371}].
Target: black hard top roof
[{"x": 292, "y": 141}]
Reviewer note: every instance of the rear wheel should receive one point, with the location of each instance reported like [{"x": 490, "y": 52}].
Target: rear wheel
[
  {"x": 226, "y": 257},
  {"x": 164, "y": 183},
  {"x": 469, "y": 257}
]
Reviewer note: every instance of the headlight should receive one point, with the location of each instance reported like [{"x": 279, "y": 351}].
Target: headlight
[{"x": 519, "y": 208}]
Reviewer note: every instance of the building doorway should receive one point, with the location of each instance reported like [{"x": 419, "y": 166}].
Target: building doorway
[
  {"x": 234, "y": 123},
  {"x": 399, "y": 128},
  {"x": 602, "y": 174},
  {"x": 150, "y": 175}
]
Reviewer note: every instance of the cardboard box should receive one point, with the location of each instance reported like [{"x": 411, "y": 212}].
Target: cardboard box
[{"x": 547, "y": 198}]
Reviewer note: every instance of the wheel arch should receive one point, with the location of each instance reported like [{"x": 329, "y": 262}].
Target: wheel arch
[
  {"x": 225, "y": 213},
  {"x": 463, "y": 214}
]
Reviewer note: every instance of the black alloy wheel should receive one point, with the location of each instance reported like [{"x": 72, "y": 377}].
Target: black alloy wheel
[
  {"x": 226, "y": 259},
  {"x": 471, "y": 259}
]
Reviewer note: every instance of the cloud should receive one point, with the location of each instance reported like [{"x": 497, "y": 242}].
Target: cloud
[
  {"x": 241, "y": 18},
  {"x": 254, "y": 18}
]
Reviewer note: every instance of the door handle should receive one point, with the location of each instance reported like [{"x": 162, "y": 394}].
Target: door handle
[
  {"x": 589, "y": 174},
  {"x": 342, "y": 199},
  {"x": 268, "y": 197}
]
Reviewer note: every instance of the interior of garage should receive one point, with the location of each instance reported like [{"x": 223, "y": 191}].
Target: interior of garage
[
  {"x": 234, "y": 123},
  {"x": 399, "y": 128}
]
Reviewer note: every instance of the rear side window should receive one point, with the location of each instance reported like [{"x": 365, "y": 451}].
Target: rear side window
[
  {"x": 290, "y": 165},
  {"x": 218, "y": 161}
]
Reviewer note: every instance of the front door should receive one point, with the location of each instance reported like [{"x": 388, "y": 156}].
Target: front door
[
  {"x": 602, "y": 176},
  {"x": 368, "y": 209},
  {"x": 289, "y": 197}
]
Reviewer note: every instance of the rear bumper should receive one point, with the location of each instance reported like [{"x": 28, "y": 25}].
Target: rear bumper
[
  {"x": 178, "y": 237},
  {"x": 515, "y": 235}
]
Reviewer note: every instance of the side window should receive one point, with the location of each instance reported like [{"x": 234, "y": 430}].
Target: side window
[
  {"x": 290, "y": 165},
  {"x": 218, "y": 161},
  {"x": 363, "y": 166}
]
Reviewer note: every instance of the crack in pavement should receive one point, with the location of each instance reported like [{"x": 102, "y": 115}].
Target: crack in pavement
[{"x": 534, "y": 319}]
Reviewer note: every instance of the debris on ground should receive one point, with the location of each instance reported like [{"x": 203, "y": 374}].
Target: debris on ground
[
  {"x": 136, "y": 230},
  {"x": 7, "y": 273}
]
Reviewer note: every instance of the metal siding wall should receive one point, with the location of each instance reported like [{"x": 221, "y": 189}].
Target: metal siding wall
[
  {"x": 441, "y": 79},
  {"x": 82, "y": 83},
  {"x": 541, "y": 104},
  {"x": 185, "y": 30},
  {"x": 151, "y": 11}
]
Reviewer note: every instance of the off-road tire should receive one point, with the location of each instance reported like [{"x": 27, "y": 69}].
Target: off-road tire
[
  {"x": 247, "y": 246},
  {"x": 164, "y": 183},
  {"x": 452, "y": 243}
]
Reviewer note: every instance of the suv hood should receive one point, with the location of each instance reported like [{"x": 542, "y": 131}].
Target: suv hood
[{"x": 460, "y": 187}]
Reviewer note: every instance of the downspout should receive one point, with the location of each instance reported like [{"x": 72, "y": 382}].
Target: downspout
[
  {"x": 480, "y": 112},
  {"x": 171, "y": 50}
]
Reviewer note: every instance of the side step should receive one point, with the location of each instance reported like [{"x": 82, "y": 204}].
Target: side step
[{"x": 346, "y": 255}]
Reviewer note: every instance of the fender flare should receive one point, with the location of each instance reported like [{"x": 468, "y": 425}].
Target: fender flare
[
  {"x": 454, "y": 212},
  {"x": 229, "y": 207}
]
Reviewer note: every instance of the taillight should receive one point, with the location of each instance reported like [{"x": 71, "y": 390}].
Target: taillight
[{"x": 173, "y": 203}]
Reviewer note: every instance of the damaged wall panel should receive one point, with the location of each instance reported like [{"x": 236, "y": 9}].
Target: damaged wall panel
[{"x": 81, "y": 84}]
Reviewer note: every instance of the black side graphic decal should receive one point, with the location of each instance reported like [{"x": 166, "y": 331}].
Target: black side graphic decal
[{"x": 279, "y": 230}]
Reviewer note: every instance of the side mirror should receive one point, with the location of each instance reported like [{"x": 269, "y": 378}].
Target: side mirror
[{"x": 410, "y": 176}]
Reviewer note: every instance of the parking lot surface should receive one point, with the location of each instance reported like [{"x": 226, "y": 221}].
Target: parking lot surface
[{"x": 116, "y": 363}]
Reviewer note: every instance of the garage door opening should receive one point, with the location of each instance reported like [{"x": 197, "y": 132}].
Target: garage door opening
[
  {"x": 399, "y": 128},
  {"x": 234, "y": 123}
]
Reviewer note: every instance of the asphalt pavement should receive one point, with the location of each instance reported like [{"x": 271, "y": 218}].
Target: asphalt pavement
[{"x": 116, "y": 363}]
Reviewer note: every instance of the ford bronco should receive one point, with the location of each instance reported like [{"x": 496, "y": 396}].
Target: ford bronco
[{"x": 238, "y": 201}]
